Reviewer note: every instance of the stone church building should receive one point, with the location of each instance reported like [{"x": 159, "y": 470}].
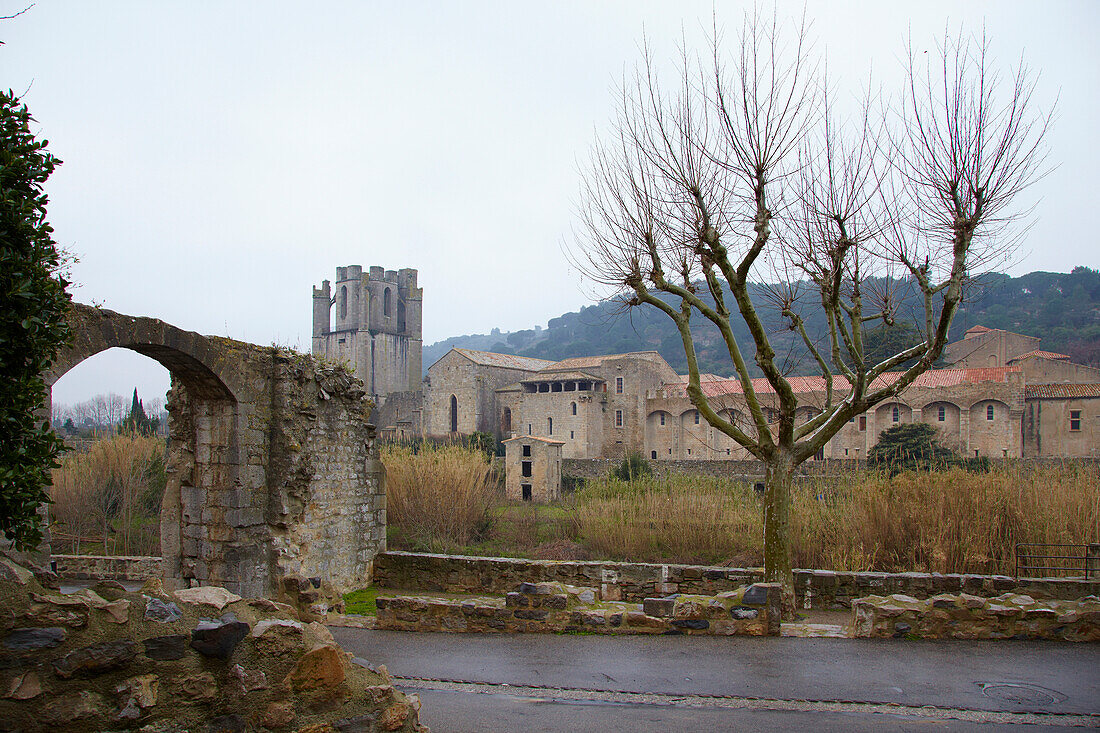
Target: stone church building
[{"x": 1002, "y": 396}]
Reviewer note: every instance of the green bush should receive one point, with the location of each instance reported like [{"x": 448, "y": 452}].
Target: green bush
[
  {"x": 33, "y": 309},
  {"x": 634, "y": 466}
]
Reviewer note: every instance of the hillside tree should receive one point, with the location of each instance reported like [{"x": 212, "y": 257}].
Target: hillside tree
[{"x": 741, "y": 170}]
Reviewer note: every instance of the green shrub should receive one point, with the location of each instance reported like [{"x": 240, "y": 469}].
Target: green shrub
[{"x": 634, "y": 466}]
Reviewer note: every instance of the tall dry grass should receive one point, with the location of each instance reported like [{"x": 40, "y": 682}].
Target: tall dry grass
[
  {"x": 950, "y": 521},
  {"x": 107, "y": 497},
  {"x": 677, "y": 518},
  {"x": 439, "y": 497}
]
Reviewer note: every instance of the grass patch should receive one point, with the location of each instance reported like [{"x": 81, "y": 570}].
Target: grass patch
[{"x": 361, "y": 602}]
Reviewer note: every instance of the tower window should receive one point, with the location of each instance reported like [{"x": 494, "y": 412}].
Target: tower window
[
  {"x": 343, "y": 304},
  {"x": 574, "y": 408},
  {"x": 386, "y": 297}
]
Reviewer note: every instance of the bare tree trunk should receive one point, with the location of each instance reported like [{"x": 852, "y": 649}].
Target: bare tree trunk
[{"x": 778, "y": 478}]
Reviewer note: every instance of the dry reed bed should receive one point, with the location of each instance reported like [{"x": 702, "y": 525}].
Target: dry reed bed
[
  {"x": 110, "y": 491},
  {"x": 439, "y": 497},
  {"x": 950, "y": 521}
]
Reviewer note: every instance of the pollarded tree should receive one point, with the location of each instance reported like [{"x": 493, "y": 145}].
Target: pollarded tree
[
  {"x": 742, "y": 171},
  {"x": 33, "y": 306}
]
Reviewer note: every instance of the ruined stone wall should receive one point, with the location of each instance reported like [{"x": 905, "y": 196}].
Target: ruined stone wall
[
  {"x": 103, "y": 567},
  {"x": 197, "y": 659},
  {"x": 634, "y": 582},
  {"x": 326, "y": 501},
  {"x": 271, "y": 466}
]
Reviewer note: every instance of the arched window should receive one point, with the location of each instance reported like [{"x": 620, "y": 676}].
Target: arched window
[
  {"x": 662, "y": 418},
  {"x": 549, "y": 426},
  {"x": 400, "y": 316},
  {"x": 989, "y": 412},
  {"x": 386, "y": 302},
  {"x": 454, "y": 414},
  {"x": 696, "y": 417},
  {"x": 941, "y": 413},
  {"x": 506, "y": 420},
  {"x": 574, "y": 408},
  {"x": 343, "y": 304},
  {"x": 895, "y": 414}
]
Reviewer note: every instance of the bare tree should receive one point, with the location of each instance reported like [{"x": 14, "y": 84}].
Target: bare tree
[{"x": 744, "y": 172}]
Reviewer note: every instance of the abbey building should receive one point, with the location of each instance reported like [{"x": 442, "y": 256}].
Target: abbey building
[{"x": 1003, "y": 396}]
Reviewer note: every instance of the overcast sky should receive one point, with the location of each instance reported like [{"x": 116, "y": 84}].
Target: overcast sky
[{"x": 222, "y": 158}]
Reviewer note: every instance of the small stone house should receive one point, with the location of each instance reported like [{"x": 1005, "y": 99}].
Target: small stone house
[{"x": 532, "y": 468}]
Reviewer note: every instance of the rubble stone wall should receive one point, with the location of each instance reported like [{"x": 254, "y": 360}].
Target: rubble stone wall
[
  {"x": 636, "y": 581},
  {"x": 197, "y": 659},
  {"x": 558, "y": 607},
  {"x": 965, "y": 616},
  {"x": 103, "y": 567}
]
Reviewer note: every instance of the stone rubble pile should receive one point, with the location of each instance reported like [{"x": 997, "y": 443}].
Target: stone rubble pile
[
  {"x": 198, "y": 659},
  {"x": 557, "y": 607},
  {"x": 965, "y": 616}
]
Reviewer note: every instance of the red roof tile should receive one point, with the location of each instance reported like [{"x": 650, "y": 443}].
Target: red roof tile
[
  {"x": 977, "y": 329},
  {"x": 805, "y": 385},
  {"x": 1060, "y": 391},
  {"x": 1041, "y": 354}
]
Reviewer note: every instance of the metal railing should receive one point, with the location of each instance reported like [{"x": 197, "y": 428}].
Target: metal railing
[{"x": 1068, "y": 561}]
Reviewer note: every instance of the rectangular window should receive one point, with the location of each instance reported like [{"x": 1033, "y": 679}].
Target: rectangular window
[
  {"x": 526, "y": 488},
  {"x": 618, "y": 418},
  {"x": 696, "y": 417},
  {"x": 689, "y": 451},
  {"x": 989, "y": 412},
  {"x": 862, "y": 423},
  {"x": 941, "y": 414},
  {"x": 549, "y": 426},
  {"x": 662, "y": 418},
  {"x": 525, "y": 467},
  {"x": 1074, "y": 420},
  {"x": 526, "y": 451},
  {"x": 570, "y": 434},
  {"x": 618, "y": 385},
  {"x": 528, "y": 428}
]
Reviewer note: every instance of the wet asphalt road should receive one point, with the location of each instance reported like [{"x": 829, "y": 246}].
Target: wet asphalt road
[{"x": 580, "y": 683}]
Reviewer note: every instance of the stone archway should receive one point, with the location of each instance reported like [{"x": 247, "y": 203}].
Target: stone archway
[{"x": 272, "y": 468}]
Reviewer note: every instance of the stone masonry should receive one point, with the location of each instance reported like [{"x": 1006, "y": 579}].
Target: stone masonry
[
  {"x": 272, "y": 466},
  {"x": 196, "y": 659}
]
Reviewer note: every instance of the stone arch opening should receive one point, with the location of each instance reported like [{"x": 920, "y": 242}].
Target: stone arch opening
[
  {"x": 506, "y": 421},
  {"x": 209, "y": 525},
  {"x": 454, "y": 414},
  {"x": 401, "y": 324},
  {"x": 111, "y": 498},
  {"x": 387, "y": 297}
]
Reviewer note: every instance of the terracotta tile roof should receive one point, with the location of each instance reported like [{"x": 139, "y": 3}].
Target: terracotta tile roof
[
  {"x": 555, "y": 376},
  {"x": 1041, "y": 354},
  {"x": 805, "y": 385},
  {"x": 507, "y": 361},
  {"x": 977, "y": 329},
  {"x": 591, "y": 362},
  {"x": 1060, "y": 391}
]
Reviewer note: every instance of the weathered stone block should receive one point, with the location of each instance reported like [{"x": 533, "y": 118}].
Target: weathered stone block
[{"x": 96, "y": 658}]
